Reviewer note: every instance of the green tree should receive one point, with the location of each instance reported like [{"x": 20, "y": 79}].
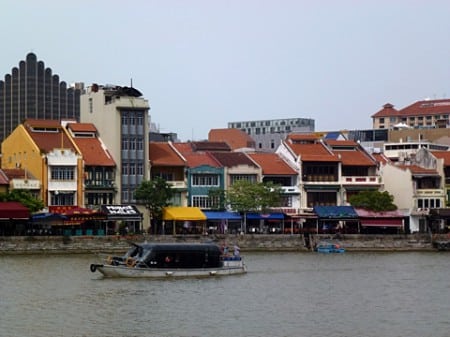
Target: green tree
[
  {"x": 373, "y": 200},
  {"x": 245, "y": 196},
  {"x": 217, "y": 198},
  {"x": 154, "y": 194},
  {"x": 25, "y": 198}
]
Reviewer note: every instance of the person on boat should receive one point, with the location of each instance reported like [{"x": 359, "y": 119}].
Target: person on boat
[{"x": 237, "y": 251}]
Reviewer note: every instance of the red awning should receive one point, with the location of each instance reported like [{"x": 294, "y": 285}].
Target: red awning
[
  {"x": 382, "y": 222},
  {"x": 13, "y": 210}
]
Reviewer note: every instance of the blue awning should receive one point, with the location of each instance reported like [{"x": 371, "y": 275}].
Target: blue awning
[
  {"x": 47, "y": 217},
  {"x": 265, "y": 216},
  {"x": 335, "y": 212},
  {"x": 214, "y": 215}
]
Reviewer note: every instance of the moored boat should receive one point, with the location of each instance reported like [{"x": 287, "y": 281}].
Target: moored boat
[
  {"x": 161, "y": 260},
  {"x": 329, "y": 247}
]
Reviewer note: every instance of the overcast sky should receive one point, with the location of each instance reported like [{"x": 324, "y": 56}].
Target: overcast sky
[{"x": 202, "y": 64}]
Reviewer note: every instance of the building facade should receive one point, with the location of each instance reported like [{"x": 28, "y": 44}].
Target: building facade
[
  {"x": 120, "y": 115},
  {"x": 33, "y": 91},
  {"x": 268, "y": 134}
]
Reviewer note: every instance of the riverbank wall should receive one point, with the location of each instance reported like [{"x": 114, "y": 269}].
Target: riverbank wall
[{"x": 119, "y": 244}]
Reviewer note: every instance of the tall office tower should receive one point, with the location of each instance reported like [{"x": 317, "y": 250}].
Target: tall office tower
[
  {"x": 120, "y": 115},
  {"x": 32, "y": 91}
]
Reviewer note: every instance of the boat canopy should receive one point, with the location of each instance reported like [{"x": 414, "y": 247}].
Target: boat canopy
[{"x": 183, "y": 214}]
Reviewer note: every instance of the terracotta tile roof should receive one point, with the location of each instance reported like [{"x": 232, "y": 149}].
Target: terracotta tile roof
[
  {"x": 235, "y": 138},
  {"x": 48, "y": 141},
  {"x": 427, "y": 107},
  {"x": 93, "y": 152},
  {"x": 417, "y": 170},
  {"x": 419, "y": 108},
  {"x": 17, "y": 173},
  {"x": 272, "y": 164},
  {"x": 350, "y": 153},
  {"x": 388, "y": 110},
  {"x": 313, "y": 152},
  {"x": 230, "y": 159},
  {"x": 300, "y": 137},
  {"x": 381, "y": 158},
  {"x": 163, "y": 154},
  {"x": 195, "y": 159},
  {"x": 355, "y": 158},
  {"x": 443, "y": 155},
  {"x": 210, "y": 146},
  {"x": 82, "y": 127},
  {"x": 342, "y": 143}
]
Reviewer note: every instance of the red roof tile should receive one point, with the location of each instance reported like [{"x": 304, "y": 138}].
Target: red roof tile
[
  {"x": 272, "y": 164},
  {"x": 235, "y": 138},
  {"x": 388, "y": 110},
  {"x": 195, "y": 159},
  {"x": 443, "y": 155},
  {"x": 313, "y": 152},
  {"x": 381, "y": 158},
  {"x": 162, "y": 154},
  {"x": 230, "y": 159},
  {"x": 419, "y": 108},
  {"x": 82, "y": 127},
  {"x": 93, "y": 152},
  {"x": 417, "y": 170},
  {"x": 45, "y": 140}
]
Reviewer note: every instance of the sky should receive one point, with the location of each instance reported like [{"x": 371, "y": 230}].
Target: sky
[{"x": 204, "y": 63}]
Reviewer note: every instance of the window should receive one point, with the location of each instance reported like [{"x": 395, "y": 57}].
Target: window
[
  {"x": 62, "y": 173},
  {"x": 204, "y": 201},
  {"x": 205, "y": 180},
  {"x": 62, "y": 199},
  {"x": 247, "y": 177}
]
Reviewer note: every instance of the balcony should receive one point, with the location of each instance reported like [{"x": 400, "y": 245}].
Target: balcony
[
  {"x": 361, "y": 180},
  {"x": 178, "y": 184},
  {"x": 290, "y": 189},
  {"x": 429, "y": 193}
]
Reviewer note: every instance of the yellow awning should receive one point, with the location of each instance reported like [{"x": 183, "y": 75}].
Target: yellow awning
[{"x": 183, "y": 213}]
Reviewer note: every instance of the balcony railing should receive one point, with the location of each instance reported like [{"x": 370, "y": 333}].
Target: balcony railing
[
  {"x": 178, "y": 184},
  {"x": 290, "y": 189},
  {"x": 358, "y": 180},
  {"x": 429, "y": 192}
]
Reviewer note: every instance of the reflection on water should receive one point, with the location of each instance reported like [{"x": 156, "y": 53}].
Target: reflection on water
[{"x": 283, "y": 294}]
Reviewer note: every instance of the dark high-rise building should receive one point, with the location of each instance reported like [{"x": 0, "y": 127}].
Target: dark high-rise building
[{"x": 32, "y": 91}]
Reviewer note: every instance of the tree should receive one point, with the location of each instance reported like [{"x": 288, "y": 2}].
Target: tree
[
  {"x": 217, "y": 198},
  {"x": 245, "y": 196},
  {"x": 373, "y": 200},
  {"x": 25, "y": 198},
  {"x": 154, "y": 194}
]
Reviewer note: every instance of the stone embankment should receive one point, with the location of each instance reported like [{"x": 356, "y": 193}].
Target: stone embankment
[{"x": 118, "y": 244}]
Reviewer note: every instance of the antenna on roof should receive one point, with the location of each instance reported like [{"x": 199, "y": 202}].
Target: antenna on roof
[{"x": 131, "y": 82}]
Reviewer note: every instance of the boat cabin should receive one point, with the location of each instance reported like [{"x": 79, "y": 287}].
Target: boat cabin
[{"x": 175, "y": 255}]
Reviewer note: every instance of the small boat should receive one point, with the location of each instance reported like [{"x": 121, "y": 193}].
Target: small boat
[
  {"x": 163, "y": 260},
  {"x": 329, "y": 247}
]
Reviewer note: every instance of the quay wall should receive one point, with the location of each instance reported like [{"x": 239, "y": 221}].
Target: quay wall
[{"x": 119, "y": 244}]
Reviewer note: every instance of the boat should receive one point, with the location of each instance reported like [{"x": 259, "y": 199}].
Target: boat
[
  {"x": 329, "y": 247},
  {"x": 164, "y": 260}
]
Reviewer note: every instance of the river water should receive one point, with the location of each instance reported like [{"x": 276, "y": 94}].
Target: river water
[{"x": 283, "y": 294}]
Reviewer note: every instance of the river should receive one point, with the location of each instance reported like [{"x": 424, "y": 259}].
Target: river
[{"x": 283, "y": 294}]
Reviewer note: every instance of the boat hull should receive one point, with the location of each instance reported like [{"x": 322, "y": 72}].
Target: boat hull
[{"x": 136, "y": 272}]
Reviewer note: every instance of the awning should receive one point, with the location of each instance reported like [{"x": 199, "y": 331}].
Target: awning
[
  {"x": 335, "y": 212},
  {"x": 212, "y": 215},
  {"x": 265, "y": 216},
  {"x": 183, "y": 213},
  {"x": 122, "y": 212},
  {"x": 382, "y": 222},
  {"x": 47, "y": 217},
  {"x": 13, "y": 210}
]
